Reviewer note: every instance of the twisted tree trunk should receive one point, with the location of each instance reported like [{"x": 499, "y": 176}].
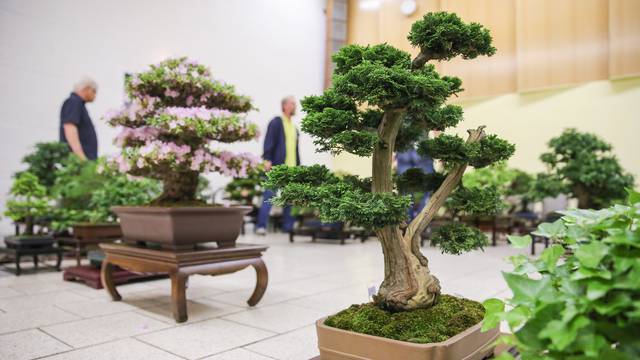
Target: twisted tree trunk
[{"x": 408, "y": 283}]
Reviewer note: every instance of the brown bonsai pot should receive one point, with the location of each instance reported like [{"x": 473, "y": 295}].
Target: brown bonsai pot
[
  {"x": 97, "y": 231},
  {"x": 338, "y": 344},
  {"x": 181, "y": 227}
]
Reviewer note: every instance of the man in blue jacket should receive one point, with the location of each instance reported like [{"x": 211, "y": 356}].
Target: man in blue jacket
[{"x": 280, "y": 147}]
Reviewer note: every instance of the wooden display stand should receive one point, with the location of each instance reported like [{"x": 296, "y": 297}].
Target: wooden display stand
[{"x": 180, "y": 264}]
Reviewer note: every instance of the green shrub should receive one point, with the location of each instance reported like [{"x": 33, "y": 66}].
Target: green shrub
[
  {"x": 580, "y": 299},
  {"x": 46, "y": 160},
  {"x": 28, "y": 200}
]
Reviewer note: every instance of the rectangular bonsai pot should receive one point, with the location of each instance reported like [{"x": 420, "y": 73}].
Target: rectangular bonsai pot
[
  {"x": 97, "y": 231},
  {"x": 338, "y": 344},
  {"x": 181, "y": 227}
]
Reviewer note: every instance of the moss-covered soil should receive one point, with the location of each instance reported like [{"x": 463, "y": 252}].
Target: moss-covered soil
[{"x": 449, "y": 317}]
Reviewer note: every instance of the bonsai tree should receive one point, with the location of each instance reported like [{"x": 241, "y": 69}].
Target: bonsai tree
[
  {"x": 46, "y": 160},
  {"x": 583, "y": 166},
  {"x": 177, "y": 109},
  {"x": 245, "y": 190},
  {"x": 86, "y": 191},
  {"x": 28, "y": 200},
  {"x": 381, "y": 101},
  {"x": 508, "y": 181}
]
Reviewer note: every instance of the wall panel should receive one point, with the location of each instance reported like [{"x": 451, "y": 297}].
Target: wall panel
[{"x": 624, "y": 38}]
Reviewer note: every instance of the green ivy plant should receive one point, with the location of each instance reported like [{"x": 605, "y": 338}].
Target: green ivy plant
[
  {"x": 583, "y": 166},
  {"x": 580, "y": 299},
  {"x": 28, "y": 200}
]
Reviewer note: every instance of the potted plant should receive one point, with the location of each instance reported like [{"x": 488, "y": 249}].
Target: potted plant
[
  {"x": 177, "y": 109},
  {"x": 577, "y": 304},
  {"x": 583, "y": 166},
  {"x": 380, "y": 102},
  {"x": 86, "y": 191},
  {"x": 28, "y": 201}
]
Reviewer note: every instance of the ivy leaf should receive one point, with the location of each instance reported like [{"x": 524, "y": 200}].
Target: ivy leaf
[
  {"x": 590, "y": 255},
  {"x": 526, "y": 290},
  {"x": 551, "y": 255},
  {"x": 519, "y": 242},
  {"x": 552, "y": 230},
  {"x": 493, "y": 310},
  {"x": 634, "y": 197},
  {"x": 562, "y": 334},
  {"x": 597, "y": 289},
  {"x": 516, "y": 316}
]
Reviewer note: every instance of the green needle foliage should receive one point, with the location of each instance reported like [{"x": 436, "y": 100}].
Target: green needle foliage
[
  {"x": 581, "y": 298},
  {"x": 369, "y": 83},
  {"x": 45, "y": 160},
  {"x": 583, "y": 166}
]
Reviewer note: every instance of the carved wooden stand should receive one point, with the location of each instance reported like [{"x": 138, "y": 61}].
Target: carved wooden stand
[{"x": 180, "y": 264}]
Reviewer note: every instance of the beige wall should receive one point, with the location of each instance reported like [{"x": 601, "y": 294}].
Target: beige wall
[{"x": 607, "y": 108}]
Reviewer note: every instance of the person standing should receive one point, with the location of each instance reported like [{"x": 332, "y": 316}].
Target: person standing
[
  {"x": 76, "y": 128},
  {"x": 280, "y": 147}
]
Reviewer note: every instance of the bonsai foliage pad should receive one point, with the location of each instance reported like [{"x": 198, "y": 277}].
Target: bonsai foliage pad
[
  {"x": 338, "y": 344},
  {"x": 90, "y": 275}
]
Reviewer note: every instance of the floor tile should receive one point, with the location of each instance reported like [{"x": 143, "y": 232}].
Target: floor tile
[
  {"x": 19, "y": 303},
  {"x": 29, "y": 344},
  {"x": 105, "y": 328},
  {"x": 295, "y": 345},
  {"x": 279, "y": 318},
  {"x": 6, "y": 291},
  {"x": 198, "y": 310},
  {"x": 126, "y": 349},
  {"x": 95, "y": 307},
  {"x": 332, "y": 301},
  {"x": 238, "y": 354},
  {"x": 204, "y": 338},
  {"x": 33, "y": 318}
]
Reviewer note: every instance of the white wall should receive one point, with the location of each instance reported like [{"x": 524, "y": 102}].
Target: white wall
[{"x": 268, "y": 49}]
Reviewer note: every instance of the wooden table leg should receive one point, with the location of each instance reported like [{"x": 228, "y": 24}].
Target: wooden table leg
[
  {"x": 106, "y": 275},
  {"x": 262, "y": 279},
  {"x": 179, "y": 296}
]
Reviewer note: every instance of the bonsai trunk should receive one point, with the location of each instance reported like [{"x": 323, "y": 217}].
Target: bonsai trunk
[
  {"x": 584, "y": 200},
  {"x": 179, "y": 187},
  {"x": 28, "y": 225},
  {"x": 408, "y": 283}
]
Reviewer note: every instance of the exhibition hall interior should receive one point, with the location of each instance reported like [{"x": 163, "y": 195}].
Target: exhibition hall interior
[{"x": 320, "y": 179}]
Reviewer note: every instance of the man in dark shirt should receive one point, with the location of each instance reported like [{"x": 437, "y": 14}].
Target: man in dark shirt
[{"x": 76, "y": 128}]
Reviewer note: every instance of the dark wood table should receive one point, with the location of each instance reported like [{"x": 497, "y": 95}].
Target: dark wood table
[
  {"x": 181, "y": 264},
  {"x": 31, "y": 245}
]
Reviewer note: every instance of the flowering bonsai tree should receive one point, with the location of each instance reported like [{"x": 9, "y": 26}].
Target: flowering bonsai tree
[
  {"x": 177, "y": 109},
  {"x": 382, "y": 101}
]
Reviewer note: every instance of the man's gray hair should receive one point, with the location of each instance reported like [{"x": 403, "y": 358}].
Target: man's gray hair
[
  {"x": 84, "y": 83},
  {"x": 287, "y": 98}
]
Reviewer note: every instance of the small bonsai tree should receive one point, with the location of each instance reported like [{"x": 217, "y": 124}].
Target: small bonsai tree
[
  {"x": 46, "y": 160},
  {"x": 380, "y": 102},
  {"x": 86, "y": 191},
  {"x": 176, "y": 110},
  {"x": 28, "y": 201},
  {"x": 583, "y": 166}
]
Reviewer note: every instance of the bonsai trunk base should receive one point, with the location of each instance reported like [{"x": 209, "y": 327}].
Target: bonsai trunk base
[
  {"x": 337, "y": 344},
  {"x": 181, "y": 227}
]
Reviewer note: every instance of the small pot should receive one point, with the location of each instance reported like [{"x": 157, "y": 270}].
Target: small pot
[
  {"x": 97, "y": 231},
  {"x": 181, "y": 227},
  {"x": 338, "y": 344}
]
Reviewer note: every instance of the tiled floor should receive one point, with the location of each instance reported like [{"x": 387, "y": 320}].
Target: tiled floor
[{"x": 43, "y": 317}]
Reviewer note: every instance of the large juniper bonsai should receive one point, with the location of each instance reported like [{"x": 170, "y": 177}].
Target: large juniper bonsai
[{"x": 380, "y": 102}]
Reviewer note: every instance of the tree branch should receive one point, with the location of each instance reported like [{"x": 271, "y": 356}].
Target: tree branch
[
  {"x": 419, "y": 224},
  {"x": 422, "y": 58},
  {"x": 383, "y": 153}
]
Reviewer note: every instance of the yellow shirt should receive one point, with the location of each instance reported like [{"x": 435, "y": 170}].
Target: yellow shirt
[{"x": 291, "y": 140}]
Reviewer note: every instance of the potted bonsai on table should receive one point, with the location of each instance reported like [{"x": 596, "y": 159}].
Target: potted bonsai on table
[
  {"x": 380, "y": 102},
  {"x": 177, "y": 109}
]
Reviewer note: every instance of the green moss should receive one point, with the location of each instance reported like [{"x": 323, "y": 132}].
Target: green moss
[{"x": 449, "y": 317}]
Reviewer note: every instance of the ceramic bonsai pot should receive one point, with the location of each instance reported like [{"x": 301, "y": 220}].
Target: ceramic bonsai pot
[
  {"x": 97, "y": 231},
  {"x": 181, "y": 227},
  {"x": 338, "y": 344}
]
